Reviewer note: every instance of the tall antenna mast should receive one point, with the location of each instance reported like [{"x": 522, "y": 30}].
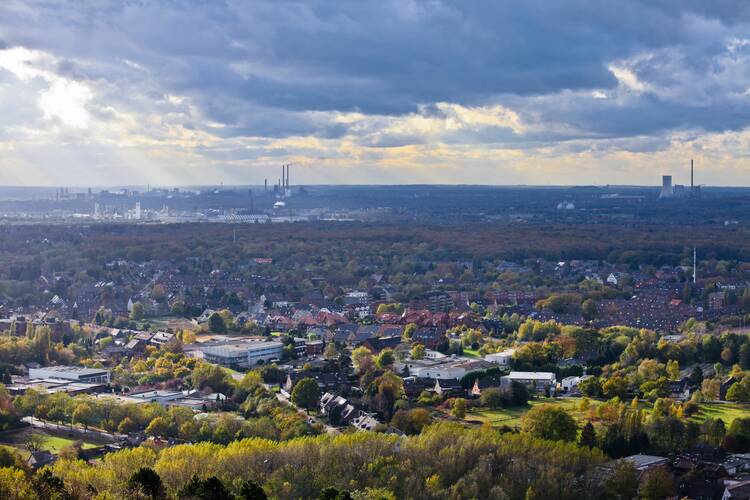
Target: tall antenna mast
[{"x": 695, "y": 267}]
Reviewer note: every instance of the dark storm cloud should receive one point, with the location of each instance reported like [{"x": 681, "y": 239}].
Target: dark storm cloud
[{"x": 389, "y": 57}]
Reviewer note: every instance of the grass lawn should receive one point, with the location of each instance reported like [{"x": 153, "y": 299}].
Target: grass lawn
[
  {"x": 726, "y": 411},
  {"x": 471, "y": 353},
  {"x": 173, "y": 322},
  {"x": 512, "y": 416},
  {"x": 50, "y": 442}
]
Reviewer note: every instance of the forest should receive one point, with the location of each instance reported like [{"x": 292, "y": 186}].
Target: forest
[{"x": 444, "y": 461}]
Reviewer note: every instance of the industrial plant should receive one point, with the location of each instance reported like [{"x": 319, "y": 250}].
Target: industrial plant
[{"x": 668, "y": 190}]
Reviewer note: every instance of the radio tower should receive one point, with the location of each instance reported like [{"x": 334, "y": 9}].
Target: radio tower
[{"x": 695, "y": 267}]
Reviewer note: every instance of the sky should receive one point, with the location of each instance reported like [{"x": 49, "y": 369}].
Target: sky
[{"x": 196, "y": 92}]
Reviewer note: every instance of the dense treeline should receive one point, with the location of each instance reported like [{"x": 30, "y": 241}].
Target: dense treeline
[
  {"x": 265, "y": 416},
  {"x": 445, "y": 461},
  {"x": 26, "y": 251}
]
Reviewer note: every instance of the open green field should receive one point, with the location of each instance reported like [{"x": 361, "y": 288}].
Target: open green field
[
  {"x": 512, "y": 416},
  {"x": 471, "y": 353},
  {"x": 725, "y": 411},
  {"x": 173, "y": 322},
  {"x": 49, "y": 442}
]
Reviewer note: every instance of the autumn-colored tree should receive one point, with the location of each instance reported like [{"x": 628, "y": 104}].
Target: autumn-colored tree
[
  {"x": 549, "y": 422},
  {"x": 459, "y": 408}
]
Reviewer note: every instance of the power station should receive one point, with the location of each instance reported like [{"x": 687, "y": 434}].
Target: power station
[
  {"x": 668, "y": 190},
  {"x": 666, "y": 187}
]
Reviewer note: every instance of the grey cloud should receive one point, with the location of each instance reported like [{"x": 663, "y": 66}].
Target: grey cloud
[{"x": 257, "y": 68}]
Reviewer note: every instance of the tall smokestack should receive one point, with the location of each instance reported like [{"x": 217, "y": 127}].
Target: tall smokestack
[
  {"x": 265, "y": 185},
  {"x": 287, "y": 175},
  {"x": 692, "y": 190}
]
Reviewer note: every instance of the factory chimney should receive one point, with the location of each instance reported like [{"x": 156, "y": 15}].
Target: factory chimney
[
  {"x": 265, "y": 185},
  {"x": 692, "y": 189},
  {"x": 287, "y": 175}
]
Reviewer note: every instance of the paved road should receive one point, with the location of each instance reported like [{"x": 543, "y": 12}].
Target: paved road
[
  {"x": 96, "y": 434},
  {"x": 329, "y": 429}
]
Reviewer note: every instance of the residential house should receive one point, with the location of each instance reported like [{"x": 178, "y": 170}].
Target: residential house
[
  {"x": 483, "y": 383},
  {"x": 430, "y": 337},
  {"x": 445, "y": 388},
  {"x": 502, "y": 358},
  {"x": 377, "y": 344}
]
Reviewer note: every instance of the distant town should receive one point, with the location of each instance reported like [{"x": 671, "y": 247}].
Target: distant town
[{"x": 599, "y": 321}]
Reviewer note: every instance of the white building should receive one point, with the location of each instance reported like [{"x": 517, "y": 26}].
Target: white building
[
  {"x": 71, "y": 373},
  {"x": 243, "y": 353},
  {"x": 537, "y": 380},
  {"x": 445, "y": 369},
  {"x": 161, "y": 397},
  {"x": 570, "y": 383},
  {"x": 434, "y": 355},
  {"x": 502, "y": 358}
]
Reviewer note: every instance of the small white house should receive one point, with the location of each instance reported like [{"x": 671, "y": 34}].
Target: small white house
[
  {"x": 569, "y": 384},
  {"x": 502, "y": 358}
]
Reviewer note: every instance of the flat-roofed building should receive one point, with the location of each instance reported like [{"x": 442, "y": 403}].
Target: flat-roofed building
[
  {"x": 538, "y": 380},
  {"x": 72, "y": 373},
  {"x": 244, "y": 353},
  {"x": 502, "y": 358}
]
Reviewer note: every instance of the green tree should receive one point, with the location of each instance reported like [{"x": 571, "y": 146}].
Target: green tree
[
  {"x": 591, "y": 387},
  {"x": 493, "y": 397},
  {"x": 334, "y": 494},
  {"x": 673, "y": 369},
  {"x": 145, "y": 482},
  {"x": 250, "y": 490},
  {"x": 615, "y": 386},
  {"x": 417, "y": 351},
  {"x": 216, "y": 323},
  {"x": 588, "y": 435},
  {"x": 83, "y": 414},
  {"x": 657, "y": 484},
  {"x": 549, "y": 422},
  {"x": 622, "y": 483},
  {"x": 385, "y": 359},
  {"x": 739, "y": 391},
  {"x": 589, "y": 309},
  {"x": 409, "y": 331},
  {"x": 210, "y": 488},
  {"x": 306, "y": 393},
  {"x": 160, "y": 427},
  {"x": 126, "y": 426},
  {"x": 14, "y": 485},
  {"x": 362, "y": 359},
  {"x": 459, "y": 408},
  {"x": 330, "y": 352},
  {"x": 138, "y": 312}
]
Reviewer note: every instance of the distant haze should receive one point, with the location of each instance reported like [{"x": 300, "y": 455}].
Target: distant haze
[{"x": 374, "y": 92}]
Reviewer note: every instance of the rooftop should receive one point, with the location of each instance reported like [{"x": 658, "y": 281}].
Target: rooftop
[
  {"x": 532, "y": 375},
  {"x": 73, "y": 370}
]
